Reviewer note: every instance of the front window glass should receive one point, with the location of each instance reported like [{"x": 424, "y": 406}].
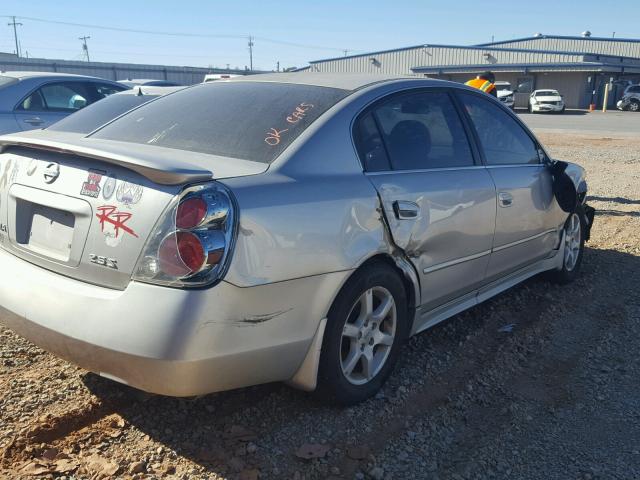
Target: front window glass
[
  {"x": 68, "y": 96},
  {"x": 547, "y": 93},
  {"x": 422, "y": 131},
  {"x": 503, "y": 140},
  {"x": 248, "y": 120}
]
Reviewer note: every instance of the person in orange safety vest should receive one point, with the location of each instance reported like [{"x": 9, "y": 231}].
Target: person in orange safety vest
[{"x": 485, "y": 82}]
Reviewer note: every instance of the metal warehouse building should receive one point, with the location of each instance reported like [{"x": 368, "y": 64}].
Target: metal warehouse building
[
  {"x": 112, "y": 71},
  {"x": 579, "y": 67}
]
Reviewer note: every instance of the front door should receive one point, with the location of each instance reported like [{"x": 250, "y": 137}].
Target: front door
[
  {"x": 439, "y": 203},
  {"x": 527, "y": 215}
]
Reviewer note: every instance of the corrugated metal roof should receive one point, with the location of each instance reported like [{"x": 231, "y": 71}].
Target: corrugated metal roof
[
  {"x": 624, "y": 47},
  {"x": 561, "y": 37},
  {"x": 529, "y": 67}
]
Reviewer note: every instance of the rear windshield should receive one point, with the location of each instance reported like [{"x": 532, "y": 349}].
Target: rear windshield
[
  {"x": 247, "y": 120},
  {"x": 97, "y": 114},
  {"x": 547, "y": 93}
]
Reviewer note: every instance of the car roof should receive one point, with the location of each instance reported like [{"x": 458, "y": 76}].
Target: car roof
[
  {"x": 344, "y": 81},
  {"x": 25, "y": 74}
]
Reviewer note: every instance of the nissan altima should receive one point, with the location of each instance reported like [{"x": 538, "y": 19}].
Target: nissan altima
[{"x": 286, "y": 227}]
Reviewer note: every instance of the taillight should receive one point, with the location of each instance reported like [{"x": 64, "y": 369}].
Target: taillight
[
  {"x": 191, "y": 212},
  {"x": 181, "y": 254},
  {"x": 191, "y": 243}
]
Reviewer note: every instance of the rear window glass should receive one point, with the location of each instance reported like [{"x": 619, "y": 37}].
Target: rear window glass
[
  {"x": 99, "y": 113},
  {"x": 247, "y": 120}
]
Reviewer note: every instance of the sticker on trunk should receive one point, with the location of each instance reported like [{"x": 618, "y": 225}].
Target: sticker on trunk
[
  {"x": 91, "y": 188},
  {"x": 109, "y": 187},
  {"x": 113, "y": 224},
  {"x": 129, "y": 193}
]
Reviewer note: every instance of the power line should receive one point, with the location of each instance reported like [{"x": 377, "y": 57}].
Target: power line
[
  {"x": 15, "y": 34},
  {"x": 178, "y": 34},
  {"x": 84, "y": 46}
]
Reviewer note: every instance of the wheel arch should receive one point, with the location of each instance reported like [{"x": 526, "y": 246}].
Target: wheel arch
[{"x": 306, "y": 377}]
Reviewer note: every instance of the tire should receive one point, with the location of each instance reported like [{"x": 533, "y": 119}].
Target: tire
[
  {"x": 634, "y": 106},
  {"x": 573, "y": 248},
  {"x": 351, "y": 336}
]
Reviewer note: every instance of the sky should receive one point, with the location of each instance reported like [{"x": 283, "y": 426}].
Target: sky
[{"x": 289, "y": 32}]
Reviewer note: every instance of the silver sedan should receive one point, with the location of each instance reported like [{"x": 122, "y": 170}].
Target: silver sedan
[{"x": 286, "y": 227}]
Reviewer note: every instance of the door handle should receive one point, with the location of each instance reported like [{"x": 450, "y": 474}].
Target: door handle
[
  {"x": 505, "y": 199},
  {"x": 405, "y": 210},
  {"x": 34, "y": 121}
]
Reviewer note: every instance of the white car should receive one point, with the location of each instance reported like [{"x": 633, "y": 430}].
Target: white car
[
  {"x": 212, "y": 77},
  {"x": 546, "y": 101},
  {"x": 505, "y": 93}
]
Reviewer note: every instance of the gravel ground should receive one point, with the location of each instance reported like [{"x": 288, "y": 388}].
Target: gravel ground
[{"x": 554, "y": 396}]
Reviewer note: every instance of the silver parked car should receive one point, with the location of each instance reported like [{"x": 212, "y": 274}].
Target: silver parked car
[
  {"x": 30, "y": 100},
  {"x": 287, "y": 227}
]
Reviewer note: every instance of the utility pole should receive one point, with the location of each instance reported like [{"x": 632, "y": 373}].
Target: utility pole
[
  {"x": 250, "y": 53},
  {"x": 15, "y": 34},
  {"x": 84, "y": 46}
]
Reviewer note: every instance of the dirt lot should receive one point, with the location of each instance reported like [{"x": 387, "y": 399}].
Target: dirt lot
[{"x": 554, "y": 395}]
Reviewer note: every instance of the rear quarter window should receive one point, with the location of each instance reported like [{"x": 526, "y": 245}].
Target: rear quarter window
[{"x": 247, "y": 120}]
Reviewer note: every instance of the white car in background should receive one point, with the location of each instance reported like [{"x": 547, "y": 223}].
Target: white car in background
[
  {"x": 212, "y": 77},
  {"x": 505, "y": 93},
  {"x": 546, "y": 100}
]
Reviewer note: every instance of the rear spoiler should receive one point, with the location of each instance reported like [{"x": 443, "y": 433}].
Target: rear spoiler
[{"x": 157, "y": 168}]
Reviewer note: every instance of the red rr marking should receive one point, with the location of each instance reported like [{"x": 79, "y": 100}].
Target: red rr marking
[{"x": 109, "y": 214}]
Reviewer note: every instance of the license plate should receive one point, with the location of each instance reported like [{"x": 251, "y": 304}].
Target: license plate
[{"x": 50, "y": 232}]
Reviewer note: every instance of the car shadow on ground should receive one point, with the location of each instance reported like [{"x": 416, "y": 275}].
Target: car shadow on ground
[
  {"x": 622, "y": 200},
  {"x": 215, "y": 431},
  {"x": 566, "y": 112}
]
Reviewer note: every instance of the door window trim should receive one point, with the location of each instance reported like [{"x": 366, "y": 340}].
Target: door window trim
[{"x": 475, "y": 154}]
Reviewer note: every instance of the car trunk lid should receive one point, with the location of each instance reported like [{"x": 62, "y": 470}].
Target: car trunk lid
[{"x": 85, "y": 209}]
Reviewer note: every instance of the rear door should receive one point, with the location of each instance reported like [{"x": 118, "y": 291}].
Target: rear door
[
  {"x": 528, "y": 216},
  {"x": 440, "y": 203}
]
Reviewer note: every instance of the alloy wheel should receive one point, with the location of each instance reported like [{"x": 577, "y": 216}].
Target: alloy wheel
[
  {"x": 572, "y": 240},
  {"x": 368, "y": 335}
]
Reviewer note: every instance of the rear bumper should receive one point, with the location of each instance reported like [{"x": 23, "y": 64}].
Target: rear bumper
[{"x": 168, "y": 341}]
